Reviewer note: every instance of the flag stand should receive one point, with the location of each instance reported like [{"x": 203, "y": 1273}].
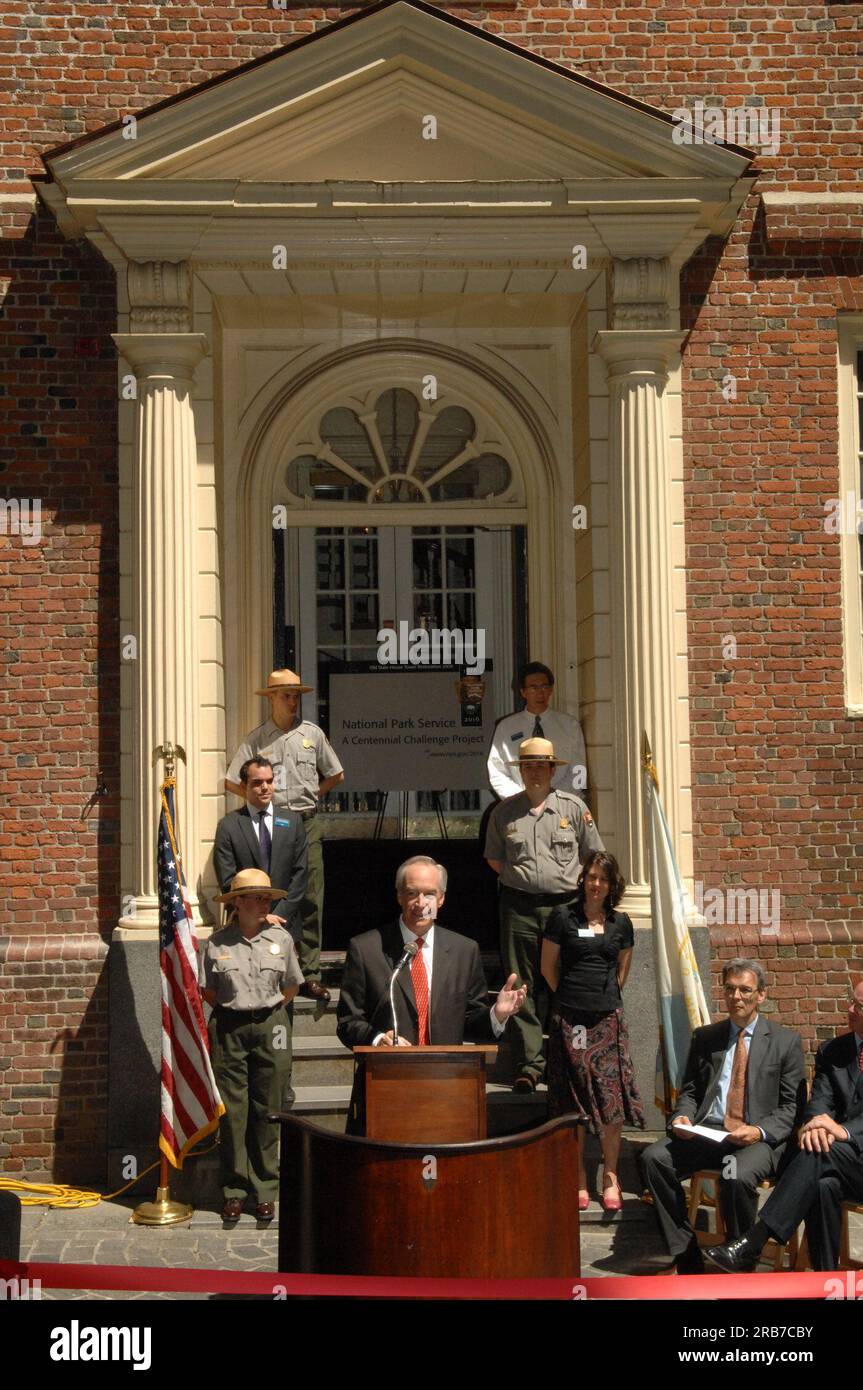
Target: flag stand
[
  {"x": 176, "y": 946},
  {"x": 164, "y": 1211}
]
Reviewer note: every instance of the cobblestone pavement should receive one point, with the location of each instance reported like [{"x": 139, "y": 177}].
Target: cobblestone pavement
[{"x": 625, "y": 1243}]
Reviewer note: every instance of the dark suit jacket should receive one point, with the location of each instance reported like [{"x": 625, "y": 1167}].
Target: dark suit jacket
[
  {"x": 837, "y": 1087},
  {"x": 237, "y": 847},
  {"x": 775, "y": 1077},
  {"x": 459, "y": 999}
]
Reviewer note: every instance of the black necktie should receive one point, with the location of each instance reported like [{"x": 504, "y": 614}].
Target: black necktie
[
  {"x": 266, "y": 841},
  {"x": 537, "y": 729}
]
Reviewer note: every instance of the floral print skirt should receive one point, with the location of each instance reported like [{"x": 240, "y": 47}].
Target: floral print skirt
[{"x": 589, "y": 1069}]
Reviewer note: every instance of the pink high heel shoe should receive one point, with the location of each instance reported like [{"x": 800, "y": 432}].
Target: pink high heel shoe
[
  {"x": 583, "y": 1199},
  {"x": 611, "y": 1197}
]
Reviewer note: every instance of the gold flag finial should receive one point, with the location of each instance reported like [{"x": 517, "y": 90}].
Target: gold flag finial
[{"x": 647, "y": 759}]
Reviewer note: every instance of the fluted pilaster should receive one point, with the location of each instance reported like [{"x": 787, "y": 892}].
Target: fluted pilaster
[
  {"x": 165, "y": 607},
  {"x": 642, "y": 620}
]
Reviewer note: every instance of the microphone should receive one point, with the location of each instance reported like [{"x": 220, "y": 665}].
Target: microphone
[{"x": 408, "y": 954}]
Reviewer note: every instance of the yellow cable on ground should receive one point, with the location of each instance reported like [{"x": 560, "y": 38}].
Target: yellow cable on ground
[{"x": 61, "y": 1195}]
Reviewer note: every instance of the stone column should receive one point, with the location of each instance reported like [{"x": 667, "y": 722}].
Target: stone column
[
  {"x": 638, "y": 357},
  {"x": 164, "y": 581}
]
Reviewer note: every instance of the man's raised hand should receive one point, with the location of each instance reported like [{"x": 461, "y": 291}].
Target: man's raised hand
[{"x": 510, "y": 1000}]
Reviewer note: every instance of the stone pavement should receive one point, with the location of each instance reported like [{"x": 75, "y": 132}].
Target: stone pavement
[{"x": 623, "y": 1243}]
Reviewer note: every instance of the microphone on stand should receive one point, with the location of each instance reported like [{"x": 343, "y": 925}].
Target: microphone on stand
[{"x": 408, "y": 954}]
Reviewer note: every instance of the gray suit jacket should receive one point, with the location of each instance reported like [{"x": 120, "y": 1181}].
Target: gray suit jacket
[
  {"x": 237, "y": 847},
  {"x": 775, "y": 1077}
]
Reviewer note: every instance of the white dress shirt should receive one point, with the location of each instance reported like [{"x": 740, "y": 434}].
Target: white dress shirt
[
  {"x": 565, "y": 733},
  {"x": 409, "y": 936},
  {"x": 267, "y": 814}
]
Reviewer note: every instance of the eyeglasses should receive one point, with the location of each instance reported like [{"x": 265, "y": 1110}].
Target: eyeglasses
[{"x": 743, "y": 990}]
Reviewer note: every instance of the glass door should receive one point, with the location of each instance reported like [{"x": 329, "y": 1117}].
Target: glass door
[{"x": 369, "y": 578}]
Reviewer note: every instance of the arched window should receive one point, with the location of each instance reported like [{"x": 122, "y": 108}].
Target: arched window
[{"x": 399, "y": 452}]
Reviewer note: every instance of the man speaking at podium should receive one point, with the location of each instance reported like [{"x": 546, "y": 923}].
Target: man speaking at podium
[{"x": 440, "y": 991}]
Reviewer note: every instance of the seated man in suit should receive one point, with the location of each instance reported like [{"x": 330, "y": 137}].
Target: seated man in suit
[
  {"x": 441, "y": 997},
  {"x": 263, "y": 836},
  {"x": 827, "y": 1170},
  {"x": 746, "y": 1076}
]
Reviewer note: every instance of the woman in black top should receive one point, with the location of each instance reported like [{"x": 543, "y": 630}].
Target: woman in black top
[{"x": 586, "y": 954}]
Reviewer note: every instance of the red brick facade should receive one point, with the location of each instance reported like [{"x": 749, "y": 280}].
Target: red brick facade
[{"x": 777, "y": 766}]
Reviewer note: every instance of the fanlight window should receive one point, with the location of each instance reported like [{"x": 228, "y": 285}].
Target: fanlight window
[{"x": 398, "y": 453}]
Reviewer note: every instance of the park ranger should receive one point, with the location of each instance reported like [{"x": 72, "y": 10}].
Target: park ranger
[
  {"x": 536, "y": 842},
  {"x": 305, "y": 769},
  {"x": 250, "y": 972}
]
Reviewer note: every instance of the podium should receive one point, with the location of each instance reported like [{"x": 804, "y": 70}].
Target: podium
[
  {"x": 425, "y": 1094},
  {"x": 494, "y": 1208}
]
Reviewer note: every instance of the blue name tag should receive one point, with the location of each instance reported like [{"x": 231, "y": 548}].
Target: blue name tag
[{"x": 279, "y": 821}]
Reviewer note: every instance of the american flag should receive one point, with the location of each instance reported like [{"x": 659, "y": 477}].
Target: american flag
[{"x": 191, "y": 1104}]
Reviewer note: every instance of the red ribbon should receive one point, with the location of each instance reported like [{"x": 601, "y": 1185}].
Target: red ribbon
[{"x": 159, "y": 1278}]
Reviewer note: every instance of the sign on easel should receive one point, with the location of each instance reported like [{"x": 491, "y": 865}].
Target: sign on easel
[{"x": 403, "y": 729}]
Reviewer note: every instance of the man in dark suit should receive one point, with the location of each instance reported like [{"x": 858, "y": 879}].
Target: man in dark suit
[
  {"x": 827, "y": 1170},
  {"x": 264, "y": 836},
  {"x": 745, "y": 1078},
  {"x": 441, "y": 995}
]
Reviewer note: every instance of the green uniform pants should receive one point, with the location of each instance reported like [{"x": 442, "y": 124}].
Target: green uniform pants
[
  {"x": 252, "y": 1064},
  {"x": 522, "y": 921},
  {"x": 312, "y": 906}
]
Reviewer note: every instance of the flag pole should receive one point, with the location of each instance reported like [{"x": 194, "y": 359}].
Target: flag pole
[
  {"x": 649, "y": 767},
  {"x": 164, "y": 1211}
]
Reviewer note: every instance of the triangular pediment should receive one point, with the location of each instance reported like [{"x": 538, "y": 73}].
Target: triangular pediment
[{"x": 398, "y": 93}]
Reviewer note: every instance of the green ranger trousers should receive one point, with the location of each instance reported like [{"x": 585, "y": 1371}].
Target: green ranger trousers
[
  {"x": 251, "y": 1057},
  {"x": 522, "y": 921},
  {"x": 312, "y": 906}
]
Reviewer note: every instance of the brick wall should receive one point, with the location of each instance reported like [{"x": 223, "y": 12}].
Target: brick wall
[{"x": 776, "y": 765}]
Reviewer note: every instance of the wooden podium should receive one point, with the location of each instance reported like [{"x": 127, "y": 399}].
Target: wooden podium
[{"x": 418, "y": 1095}]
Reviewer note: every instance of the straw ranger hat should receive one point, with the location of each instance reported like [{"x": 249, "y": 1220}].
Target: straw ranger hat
[
  {"x": 536, "y": 750},
  {"x": 284, "y": 680},
  {"x": 249, "y": 882}
]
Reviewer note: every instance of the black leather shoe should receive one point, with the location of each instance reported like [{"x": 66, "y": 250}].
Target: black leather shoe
[
  {"x": 737, "y": 1257},
  {"x": 233, "y": 1209},
  {"x": 313, "y": 989},
  {"x": 525, "y": 1083}
]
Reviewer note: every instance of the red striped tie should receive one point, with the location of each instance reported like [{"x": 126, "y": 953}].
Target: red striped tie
[{"x": 421, "y": 991}]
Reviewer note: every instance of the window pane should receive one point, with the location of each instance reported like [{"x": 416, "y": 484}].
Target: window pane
[
  {"x": 331, "y": 621},
  {"x": 397, "y": 421},
  {"x": 427, "y": 568},
  {"x": 460, "y": 564},
  {"x": 447, "y": 437},
  {"x": 427, "y": 610},
  {"x": 485, "y": 477},
  {"x": 460, "y": 611},
  {"x": 364, "y": 619},
  {"x": 364, "y": 563},
  {"x": 310, "y": 477},
  {"x": 346, "y": 436},
  {"x": 330, "y": 564}
]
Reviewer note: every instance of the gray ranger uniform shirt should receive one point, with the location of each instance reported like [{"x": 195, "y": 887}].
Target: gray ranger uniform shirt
[
  {"x": 250, "y": 973},
  {"x": 544, "y": 853},
  {"x": 301, "y": 758}
]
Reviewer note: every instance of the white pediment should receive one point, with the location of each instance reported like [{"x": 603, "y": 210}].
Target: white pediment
[{"x": 349, "y": 104}]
